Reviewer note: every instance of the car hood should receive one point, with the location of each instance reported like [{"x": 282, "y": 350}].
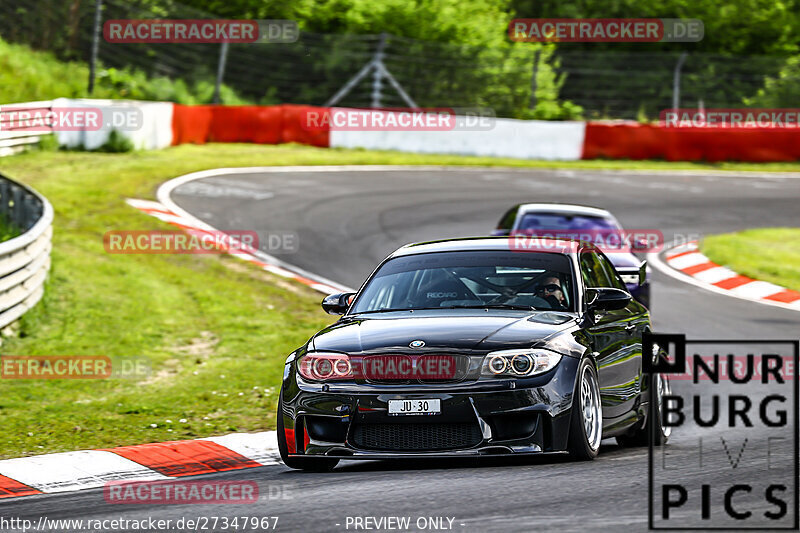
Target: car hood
[{"x": 451, "y": 330}]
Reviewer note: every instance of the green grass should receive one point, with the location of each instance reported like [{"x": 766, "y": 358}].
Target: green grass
[
  {"x": 27, "y": 75},
  {"x": 771, "y": 254},
  {"x": 214, "y": 329}
]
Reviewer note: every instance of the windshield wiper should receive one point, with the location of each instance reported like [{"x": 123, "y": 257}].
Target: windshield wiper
[
  {"x": 485, "y": 306},
  {"x": 496, "y": 306}
]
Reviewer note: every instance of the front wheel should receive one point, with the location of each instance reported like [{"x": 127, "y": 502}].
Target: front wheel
[
  {"x": 310, "y": 464},
  {"x": 586, "y": 418}
]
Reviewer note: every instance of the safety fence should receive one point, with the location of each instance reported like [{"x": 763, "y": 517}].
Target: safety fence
[{"x": 24, "y": 260}]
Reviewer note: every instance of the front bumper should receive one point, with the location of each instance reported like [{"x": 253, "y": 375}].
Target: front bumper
[{"x": 492, "y": 417}]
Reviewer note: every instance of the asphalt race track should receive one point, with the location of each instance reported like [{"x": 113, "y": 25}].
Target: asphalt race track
[{"x": 348, "y": 221}]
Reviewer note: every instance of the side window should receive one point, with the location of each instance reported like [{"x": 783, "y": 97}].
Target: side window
[
  {"x": 592, "y": 270},
  {"x": 611, "y": 273}
]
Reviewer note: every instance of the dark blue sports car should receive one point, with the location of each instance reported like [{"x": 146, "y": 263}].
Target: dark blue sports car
[{"x": 582, "y": 223}]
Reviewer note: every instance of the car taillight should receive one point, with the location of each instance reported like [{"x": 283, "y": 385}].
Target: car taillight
[{"x": 325, "y": 366}]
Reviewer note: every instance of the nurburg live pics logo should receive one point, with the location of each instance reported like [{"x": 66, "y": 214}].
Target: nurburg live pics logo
[{"x": 734, "y": 464}]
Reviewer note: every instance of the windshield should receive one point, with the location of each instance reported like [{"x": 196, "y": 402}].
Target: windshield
[
  {"x": 478, "y": 279},
  {"x": 542, "y": 223}
]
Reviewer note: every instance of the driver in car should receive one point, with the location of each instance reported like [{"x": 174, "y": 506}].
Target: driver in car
[{"x": 550, "y": 289}]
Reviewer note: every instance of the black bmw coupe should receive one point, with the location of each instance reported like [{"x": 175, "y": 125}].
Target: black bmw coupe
[{"x": 472, "y": 347}]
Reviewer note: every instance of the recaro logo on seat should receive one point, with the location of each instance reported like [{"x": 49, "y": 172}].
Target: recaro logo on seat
[{"x": 442, "y": 295}]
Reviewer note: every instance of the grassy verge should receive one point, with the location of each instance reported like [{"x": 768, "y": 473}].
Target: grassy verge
[
  {"x": 214, "y": 330},
  {"x": 771, "y": 254}
]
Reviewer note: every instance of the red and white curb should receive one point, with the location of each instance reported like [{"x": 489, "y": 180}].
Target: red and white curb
[
  {"x": 70, "y": 471},
  {"x": 686, "y": 263}
]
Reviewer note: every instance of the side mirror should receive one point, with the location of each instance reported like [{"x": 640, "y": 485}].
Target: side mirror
[
  {"x": 642, "y": 273},
  {"x": 606, "y": 299},
  {"x": 337, "y": 304},
  {"x": 640, "y": 245}
]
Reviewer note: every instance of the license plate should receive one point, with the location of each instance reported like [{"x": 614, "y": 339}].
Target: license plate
[{"x": 415, "y": 407}]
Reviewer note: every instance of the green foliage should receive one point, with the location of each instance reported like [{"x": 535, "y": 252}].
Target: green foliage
[
  {"x": 780, "y": 91},
  {"x": 116, "y": 143},
  {"x": 443, "y": 52},
  {"x": 731, "y": 26},
  {"x": 31, "y": 76},
  {"x": 27, "y": 75},
  {"x": 47, "y": 143}
]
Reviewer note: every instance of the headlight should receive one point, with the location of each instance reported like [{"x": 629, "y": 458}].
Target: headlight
[
  {"x": 519, "y": 363},
  {"x": 315, "y": 366}
]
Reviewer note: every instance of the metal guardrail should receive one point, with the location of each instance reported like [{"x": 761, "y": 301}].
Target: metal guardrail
[
  {"x": 15, "y": 134},
  {"x": 24, "y": 260}
]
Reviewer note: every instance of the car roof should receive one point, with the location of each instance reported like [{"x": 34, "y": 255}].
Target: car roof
[
  {"x": 471, "y": 244},
  {"x": 564, "y": 208}
]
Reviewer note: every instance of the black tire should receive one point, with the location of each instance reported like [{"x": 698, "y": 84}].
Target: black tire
[
  {"x": 581, "y": 445},
  {"x": 640, "y": 436},
  {"x": 310, "y": 464}
]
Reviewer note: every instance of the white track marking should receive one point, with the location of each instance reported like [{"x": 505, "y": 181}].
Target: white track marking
[
  {"x": 756, "y": 289},
  {"x": 654, "y": 259},
  {"x": 714, "y": 275},
  {"x": 689, "y": 260},
  {"x": 64, "y": 472}
]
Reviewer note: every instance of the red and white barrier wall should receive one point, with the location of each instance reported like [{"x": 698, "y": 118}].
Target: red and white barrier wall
[
  {"x": 165, "y": 124},
  {"x": 521, "y": 139}
]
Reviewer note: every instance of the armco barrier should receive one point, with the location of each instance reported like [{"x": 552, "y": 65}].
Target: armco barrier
[
  {"x": 24, "y": 260},
  {"x": 630, "y": 140},
  {"x": 14, "y": 136}
]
